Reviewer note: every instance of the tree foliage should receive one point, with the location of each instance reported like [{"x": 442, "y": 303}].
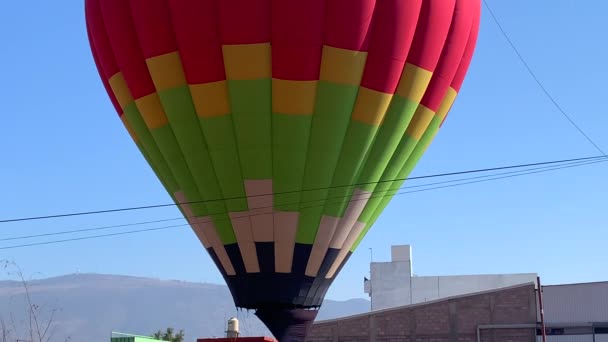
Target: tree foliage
[{"x": 169, "y": 335}]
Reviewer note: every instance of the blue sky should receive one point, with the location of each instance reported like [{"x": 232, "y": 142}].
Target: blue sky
[{"x": 64, "y": 150}]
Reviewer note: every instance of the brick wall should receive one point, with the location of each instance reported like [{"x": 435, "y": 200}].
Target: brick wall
[{"x": 448, "y": 320}]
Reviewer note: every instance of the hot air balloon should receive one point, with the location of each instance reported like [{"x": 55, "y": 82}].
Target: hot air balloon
[{"x": 282, "y": 129}]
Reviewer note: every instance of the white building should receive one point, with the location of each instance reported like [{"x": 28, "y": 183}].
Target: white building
[
  {"x": 576, "y": 312},
  {"x": 572, "y": 312},
  {"x": 393, "y": 284}
]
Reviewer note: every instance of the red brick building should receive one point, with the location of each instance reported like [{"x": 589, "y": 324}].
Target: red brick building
[
  {"x": 237, "y": 339},
  {"x": 504, "y": 315}
]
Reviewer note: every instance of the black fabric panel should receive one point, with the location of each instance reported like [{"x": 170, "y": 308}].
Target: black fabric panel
[
  {"x": 265, "y": 252},
  {"x": 321, "y": 284},
  {"x": 287, "y": 325},
  {"x": 234, "y": 253},
  {"x": 268, "y": 289},
  {"x": 344, "y": 262},
  {"x": 257, "y": 290},
  {"x": 301, "y": 253},
  {"x": 330, "y": 257},
  {"x": 218, "y": 264}
]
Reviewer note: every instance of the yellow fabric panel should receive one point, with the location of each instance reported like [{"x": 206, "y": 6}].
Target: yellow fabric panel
[
  {"x": 120, "y": 89},
  {"x": 129, "y": 128},
  {"x": 210, "y": 99},
  {"x": 342, "y": 66},
  {"x": 413, "y": 83},
  {"x": 371, "y": 106},
  {"x": 152, "y": 111},
  {"x": 247, "y": 61},
  {"x": 293, "y": 97},
  {"x": 420, "y": 122},
  {"x": 167, "y": 71},
  {"x": 446, "y": 103}
]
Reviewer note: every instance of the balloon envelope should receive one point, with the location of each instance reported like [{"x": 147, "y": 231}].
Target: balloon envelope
[{"x": 282, "y": 128}]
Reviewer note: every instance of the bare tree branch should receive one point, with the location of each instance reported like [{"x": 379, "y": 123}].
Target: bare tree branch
[{"x": 39, "y": 330}]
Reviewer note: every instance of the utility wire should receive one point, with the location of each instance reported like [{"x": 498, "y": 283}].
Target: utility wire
[
  {"x": 538, "y": 82},
  {"x": 89, "y": 229},
  {"x": 505, "y": 175},
  {"x": 262, "y": 208},
  {"x": 23, "y": 237},
  {"x": 93, "y": 237},
  {"x": 32, "y": 218}
]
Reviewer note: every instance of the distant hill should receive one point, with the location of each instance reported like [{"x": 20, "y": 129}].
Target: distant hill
[{"x": 91, "y": 306}]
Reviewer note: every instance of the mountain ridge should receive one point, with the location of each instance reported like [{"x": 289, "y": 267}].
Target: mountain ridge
[{"x": 91, "y": 306}]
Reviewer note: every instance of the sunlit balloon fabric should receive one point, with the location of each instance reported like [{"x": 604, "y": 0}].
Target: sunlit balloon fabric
[{"x": 286, "y": 126}]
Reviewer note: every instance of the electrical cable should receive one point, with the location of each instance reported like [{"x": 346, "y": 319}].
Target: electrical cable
[
  {"x": 510, "y": 175},
  {"x": 538, "y": 82},
  {"x": 32, "y": 218},
  {"x": 262, "y": 208}
]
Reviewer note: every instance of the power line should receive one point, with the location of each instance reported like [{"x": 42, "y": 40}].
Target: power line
[
  {"x": 476, "y": 180},
  {"x": 93, "y": 237},
  {"x": 106, "y": 211},
  {"x": 23, "y": 237},
  {"x": 538, "y": 82}
]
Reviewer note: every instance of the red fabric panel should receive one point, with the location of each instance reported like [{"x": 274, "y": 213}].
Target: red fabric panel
[
  {"x": 297, "y": 39},
  {"x": 152, "y": 22},
  {"x": 99, "y": 39},
  {"x": 451, "y": 54},
  {"x": 123, "y": 38},
  {"x": 348, "y": 22},
  {"x": 196, "y": 28},
  {"x": 469, "y": 50},
  {"x": 468, "y": 53},
  {"x": 103, "y": 77},
  {"x": 432, "y": 30},
  {"x": 394, "y": 27},
  {"x": 100, "y": 48},
  {"x": 244, "y": 21}
]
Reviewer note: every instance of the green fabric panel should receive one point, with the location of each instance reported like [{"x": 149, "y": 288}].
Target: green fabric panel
[
  {"x": 290, "y": 135},
  {"x": 224, "y": 228},
  {"x": 155, "y": 169},
  {"x": 359, "y": 138},
  {"x": 407, "y": 168},
  {"x": 251, "y": 102},
  {"x": 168, "y": 145},
  {"x": 184, "y": 123},
  {"x": 400, "y": 157},
  {"x": 391, "y": 132},
  {"x": 221, "y": 141},
  {"x": 146, "y": 141},
  {"x": 333, "y": 108}
]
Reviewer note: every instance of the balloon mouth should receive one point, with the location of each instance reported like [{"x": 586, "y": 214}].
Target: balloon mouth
[{"x": 288, "y": 324}]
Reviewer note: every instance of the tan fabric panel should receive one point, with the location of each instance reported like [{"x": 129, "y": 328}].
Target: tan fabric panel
[
  {"x": 211, "y": 232},
  {"x": 242, "y": 229},
  {"x": 197, "y": 226},
  {"x": 286, "y": 225},
  {"x": 355, "y": 208},
  {"x": 327, "y": 228},
  {"x": 350, "y": 240},
  {"x": 195, "y": 222},
  {"x": 259, "y": 201},
  {"x": 262, "y": 225},
  {"x": 259, "y": 193}
]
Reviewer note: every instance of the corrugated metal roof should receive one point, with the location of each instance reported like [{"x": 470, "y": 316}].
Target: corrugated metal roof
[{"x": 576, "y": 303}]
